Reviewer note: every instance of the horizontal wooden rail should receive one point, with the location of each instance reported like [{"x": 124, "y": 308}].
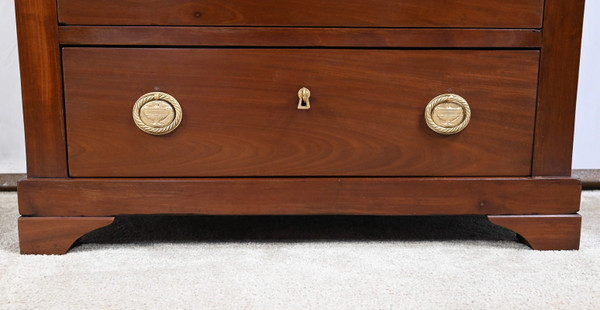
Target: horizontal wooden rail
[
  {"x": 300, "y": 37},
  {"x": 290, "y": 196}
]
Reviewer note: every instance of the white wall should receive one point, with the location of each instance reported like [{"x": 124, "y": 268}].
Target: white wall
[
  {"x": 587, "y": 132},
  {"x": 12, "y": 138},
  {"x": 586, "y": 151}
]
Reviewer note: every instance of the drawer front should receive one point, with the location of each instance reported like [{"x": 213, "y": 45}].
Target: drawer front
[
  {"x": 241, "y": 116},
  {"x": 349, "y": 13}
]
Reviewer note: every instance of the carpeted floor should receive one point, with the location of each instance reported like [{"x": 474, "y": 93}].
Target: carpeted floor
[{"x": 301, "y": 263}]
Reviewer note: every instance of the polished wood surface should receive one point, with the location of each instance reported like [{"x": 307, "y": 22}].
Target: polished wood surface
[
  {"x": 41, "y": 86},
  {"x": 372, "y": 66},
  {"x": 298, "y": 37},
  {"x": 558, "y": 88},
  {"x": 330, "y": 13},
  {"x": 291, "y": 196},
  {"x": 544, "y": 232},
  {"x": 55, "y": 235},
  {"x": 240, "y": 115}
]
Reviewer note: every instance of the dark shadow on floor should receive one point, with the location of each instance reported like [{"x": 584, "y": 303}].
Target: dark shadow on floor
[{"x": 146, "y": 229}]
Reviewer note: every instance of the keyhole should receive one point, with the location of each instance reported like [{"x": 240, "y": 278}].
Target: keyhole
[{"x": 303, "y": 99}]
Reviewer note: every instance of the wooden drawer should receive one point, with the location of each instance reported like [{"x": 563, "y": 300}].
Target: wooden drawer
[
  {"x": 350, "y": 13},
  {"x": 240, "y": 115}
]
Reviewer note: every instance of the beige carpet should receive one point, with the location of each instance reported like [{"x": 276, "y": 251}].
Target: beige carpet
[{"x": 301, "y": 263}]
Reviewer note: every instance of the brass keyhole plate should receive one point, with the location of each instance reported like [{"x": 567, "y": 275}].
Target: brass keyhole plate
[{"x": 304, "y": 99}]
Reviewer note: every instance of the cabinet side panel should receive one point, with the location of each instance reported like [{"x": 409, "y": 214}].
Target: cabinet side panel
[
  {"x": 43, "y": 109},
  {"x": 563, "y": 20}
]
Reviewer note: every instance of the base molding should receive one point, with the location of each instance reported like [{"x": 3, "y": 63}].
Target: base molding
[
  {"x": 8, "y": 181},
  {"x": 299, "y": 196},
  {"x": 56, "y": 212}
]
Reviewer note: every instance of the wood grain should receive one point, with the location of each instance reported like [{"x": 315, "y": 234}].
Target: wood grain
[
  {"x": 41, "y": 85},
  {"x": 331, "y": 13},
  {"x": 291, "y": 196},
  {"x": 55, "y": 235},
  {"x": 298, "y": 37},
  {"x": 544, "y": 232},
  {"x": 558, "y": 88},
  {"x": 240, "y": 116}
]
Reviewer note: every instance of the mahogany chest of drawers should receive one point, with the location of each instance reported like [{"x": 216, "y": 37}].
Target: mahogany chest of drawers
[{"x": 385, "y": 107}]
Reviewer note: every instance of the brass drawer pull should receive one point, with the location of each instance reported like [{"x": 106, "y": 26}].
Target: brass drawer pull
[
  {"x": 157, "y": 113},
  {"x": 304, "y": 99},
  {"x": 448, "y": 114}
]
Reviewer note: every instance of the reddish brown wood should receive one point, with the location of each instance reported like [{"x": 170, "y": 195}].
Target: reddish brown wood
[
  {"x": 544, "y": 232},
  {"x": 41, "y": 84},
  {"x": 241, "y": 117},
  {"x": 55, "y": 235},
  {"x": 291, "y": 37},
  {"x": 355, "y": 13},
  {"x": 558, "y": 88},
  {"x": 254, "y": 196}
]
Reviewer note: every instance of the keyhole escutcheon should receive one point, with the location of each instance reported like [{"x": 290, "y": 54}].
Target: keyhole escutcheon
[{"x": 304, "y": 99}]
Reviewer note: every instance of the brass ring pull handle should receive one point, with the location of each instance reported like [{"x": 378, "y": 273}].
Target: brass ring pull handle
[
  {"x": 157, "y": 113},
  {"x": 304, "y": 99},
  {"x": 448, "y": 114}
]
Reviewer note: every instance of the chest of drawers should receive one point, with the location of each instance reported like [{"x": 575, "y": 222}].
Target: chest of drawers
[{"x": 436, "y": 107}]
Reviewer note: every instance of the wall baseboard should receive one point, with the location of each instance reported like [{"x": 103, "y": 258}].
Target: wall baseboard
[
  {"x": 8, "y": 182},
  {"x": 590, "y": 179}
]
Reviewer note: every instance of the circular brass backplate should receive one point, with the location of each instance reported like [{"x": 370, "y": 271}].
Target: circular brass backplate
[
  {"x": 157, "y": 113},
  {"x": 447, "y": 114}
]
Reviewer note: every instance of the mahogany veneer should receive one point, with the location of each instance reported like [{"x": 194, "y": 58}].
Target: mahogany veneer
[
  {"x": 544, "y": 232},
  {"x": 55, "y": 235},
  {"x": 299, "y": 37},
  {"x": 262, "y": 196},
  {"x": 244, "y": 147},
  {"x": 253, "y": 130},
  {"x": 330, "y": 13}
]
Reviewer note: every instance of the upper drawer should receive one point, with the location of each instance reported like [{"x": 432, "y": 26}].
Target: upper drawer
[
  {"x": 241, "y": 116},
  {"x": 331, "y": 13}
]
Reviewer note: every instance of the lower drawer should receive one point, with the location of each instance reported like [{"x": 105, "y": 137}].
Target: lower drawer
[{"x": 240, "y": 113}]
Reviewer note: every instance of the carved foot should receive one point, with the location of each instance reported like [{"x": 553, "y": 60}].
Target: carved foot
[
  {"x": 55, "y": 235},
  {"x": 544, "y": 232}
]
